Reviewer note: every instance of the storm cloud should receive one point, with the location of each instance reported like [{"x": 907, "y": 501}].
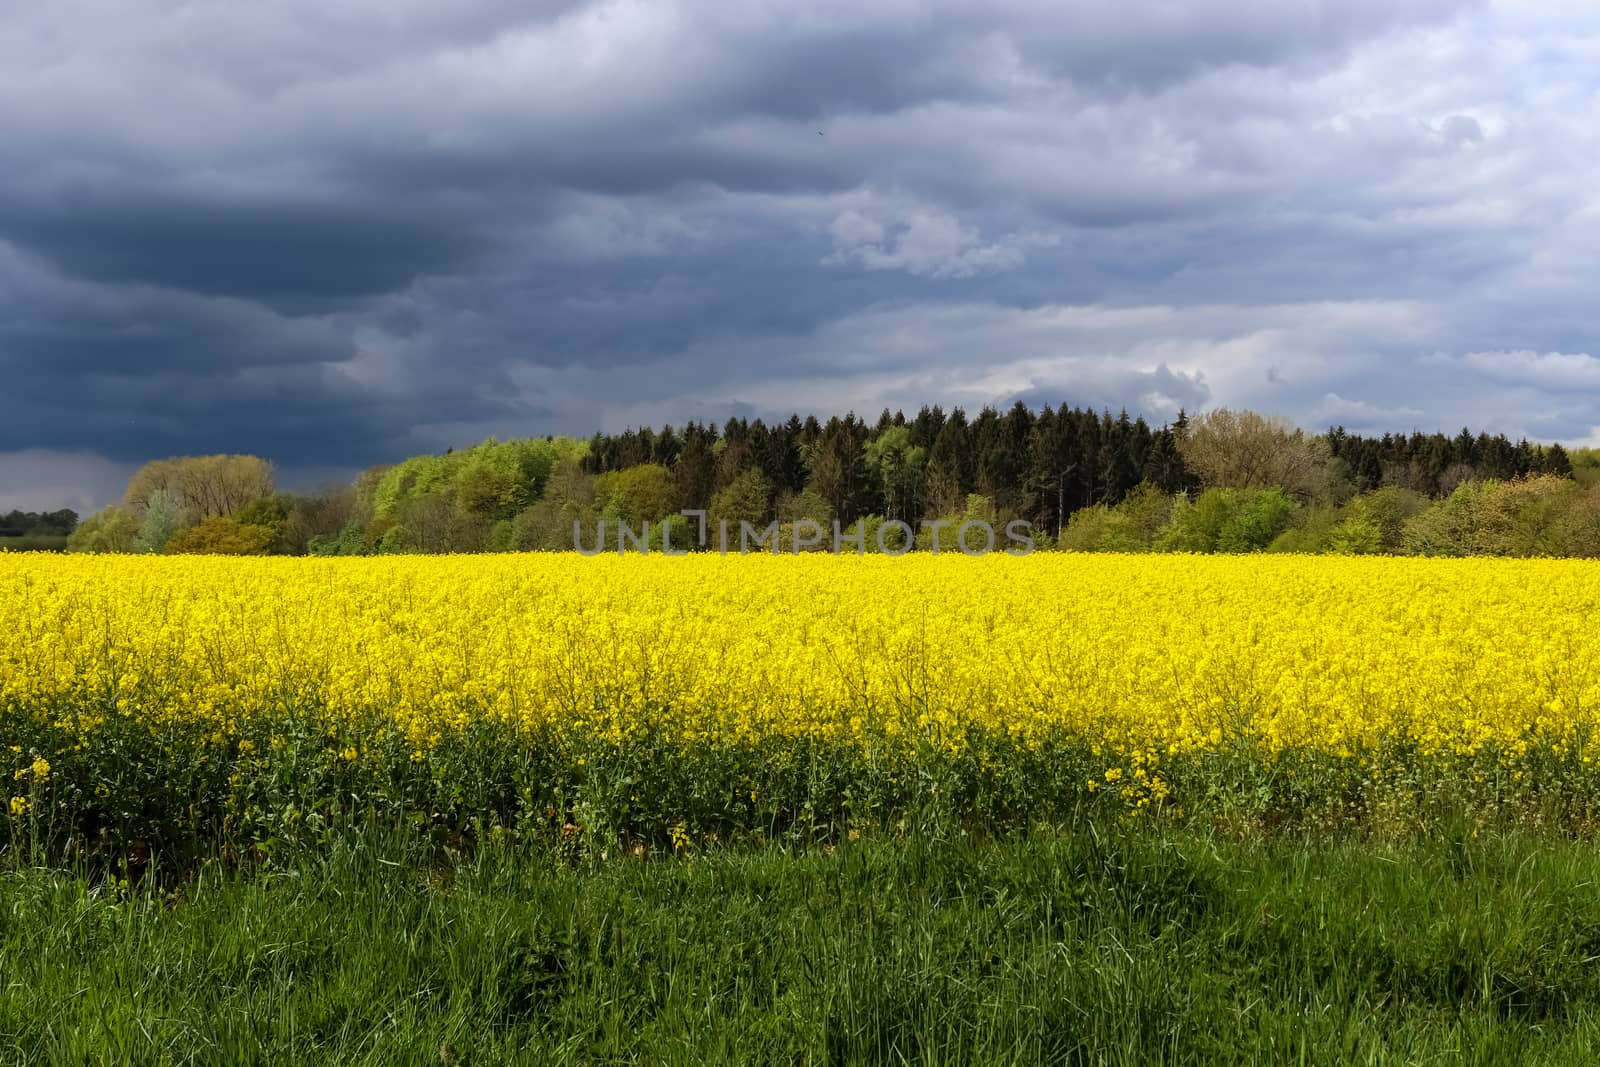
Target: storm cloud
[{"x": 335, "y": 235}]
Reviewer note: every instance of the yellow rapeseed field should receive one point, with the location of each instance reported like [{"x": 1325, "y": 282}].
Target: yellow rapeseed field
[{"x": 520, "y": 685}]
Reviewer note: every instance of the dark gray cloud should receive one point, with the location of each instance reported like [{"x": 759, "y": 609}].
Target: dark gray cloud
[
  {"x": 337, "y": 234},
  {"x": 280, "y": 254}
]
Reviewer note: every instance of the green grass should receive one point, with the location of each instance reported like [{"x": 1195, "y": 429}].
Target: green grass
[{"x": 1133, "y": 947}]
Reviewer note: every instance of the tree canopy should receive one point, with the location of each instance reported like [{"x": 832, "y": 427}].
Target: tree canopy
[{"x": 1230, "y": 481}]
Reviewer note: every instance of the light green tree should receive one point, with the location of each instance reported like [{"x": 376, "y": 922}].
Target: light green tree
[
  {"x": 163, "y": 517},
  {"x": 110, "y": 530},
  {"x": 898, "y": 466},
  {"x": 745, "y": 499}
]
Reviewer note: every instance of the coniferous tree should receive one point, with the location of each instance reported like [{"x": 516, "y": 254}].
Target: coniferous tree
[
  {"x": 667, "y": 447},
  {"x": 949, "y": 477},
  {"x": 1008, "y": 460},
  {"x": 1089, "y": 446},
  {"x": 696, "y": 469},
  {"x": 734, "y": 455},
  {"x": 1164, "y": 468},
  {"x": 1121, "y": 460},
  {"x": 1045, "y": 494},
  {"x": 926, "y": 426},
  {"x": 837, "y": 467},
  {"x": 1556, "y": 461}
]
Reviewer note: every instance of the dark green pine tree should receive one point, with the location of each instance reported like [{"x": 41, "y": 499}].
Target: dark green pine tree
[
  {"x": 810, "y": 433},
  {"x": 837, "y": 469},
  {"x": 1144, "y": 439},
  {"x": 1522, "y": 458},
  {"x": 1165, "y": 468},
  {"x": 735, "y": 457},
  {"x": 763, "y": 455},
  {"x": 1435, "y": 458},
  {"x": 1556, "y": 461},
  {"x": 986, "y": 446},
  {"x": 1337, "y": 440},
  {"x": 788, "y": 461},
  {"x": 1118, "y": 471},
  {"x": 642, "y": 447},
  {"x": 1083, "y": 487},
  {"x": 1050, "y": 462},
  {"x": 1008, "y": 460},
  {"x": 926, "y": 426},
  {"x": 594, "y": 461},
  {"x": 949, "y": 477},
  {"x": 775, "y": 451},
  {"x": 1366, "y": 465},
  {"x": 696, "y": 469},
  {"x": 667, "y": 446}
]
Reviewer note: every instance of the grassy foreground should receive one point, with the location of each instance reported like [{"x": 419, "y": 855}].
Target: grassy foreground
[{"x": 1091, "y": 947}]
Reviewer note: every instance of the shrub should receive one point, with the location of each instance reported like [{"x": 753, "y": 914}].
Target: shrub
[
  {"x": 1260, "y": 517},
  {"x": 111, "y": 530},
  {"x": 221, "y": 536},
  {"x": 1196, "y": 526}
]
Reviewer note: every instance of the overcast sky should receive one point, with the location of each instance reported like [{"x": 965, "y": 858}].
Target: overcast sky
[{"x": 339, "y": 232}]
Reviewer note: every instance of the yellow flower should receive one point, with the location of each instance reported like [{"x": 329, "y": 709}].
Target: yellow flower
[{"x": 1145, "y": 661}]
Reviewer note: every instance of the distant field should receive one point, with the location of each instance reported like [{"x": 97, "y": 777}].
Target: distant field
[{"x": 34, "y": 543}]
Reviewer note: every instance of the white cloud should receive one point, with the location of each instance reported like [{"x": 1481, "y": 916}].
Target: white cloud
[
  {"x": 1553, "y": 371},
  {"x": 928, "y": 245},
  {"x": 1335, "y": 408}
]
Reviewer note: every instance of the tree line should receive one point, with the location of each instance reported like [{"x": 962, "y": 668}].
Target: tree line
[
  {"x": 36, "y": 530},
  {"x": 1222, "y": 481}
]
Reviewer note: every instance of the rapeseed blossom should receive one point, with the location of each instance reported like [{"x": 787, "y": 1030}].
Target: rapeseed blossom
[{"x": 1140, "y": 662}]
